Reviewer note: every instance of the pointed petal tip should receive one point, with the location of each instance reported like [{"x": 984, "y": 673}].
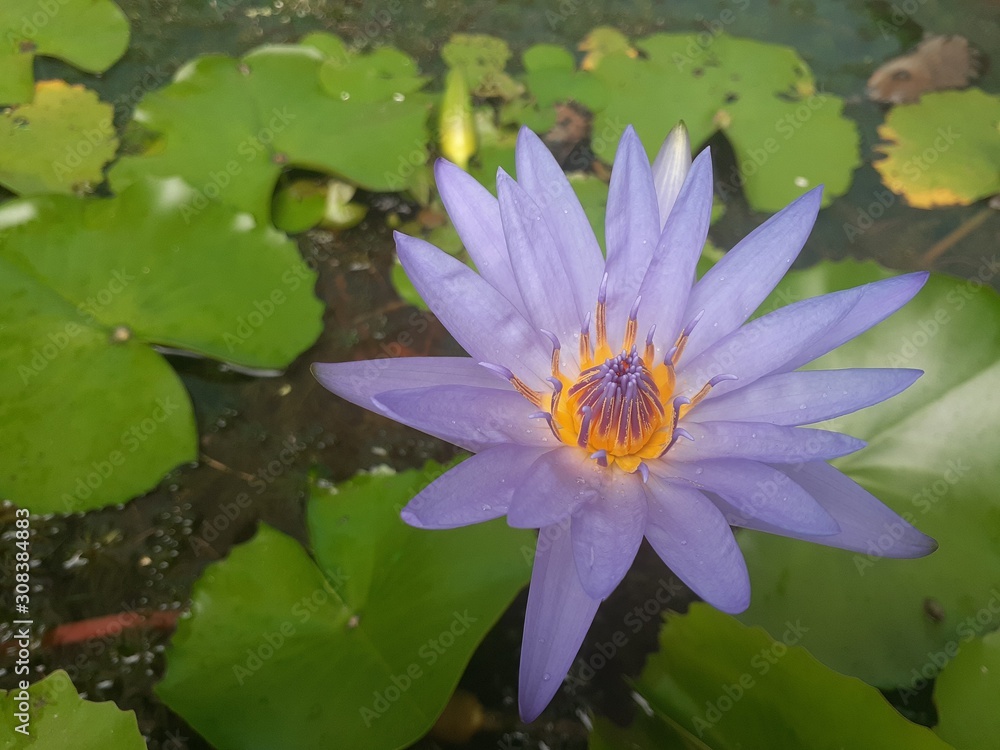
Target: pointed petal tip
[
  {"x": 531, "y": 708},
  {"x": 704, "y": 155},
  {"x": 410, "y": 519},
  {"x": 528, "y": 139},
  {"x": 736, "y": 606},
  {"x": 917, "y": 544},
  {"x": 813, "y": 196}
]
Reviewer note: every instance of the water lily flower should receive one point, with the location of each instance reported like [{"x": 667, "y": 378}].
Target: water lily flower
[{"x": 608, "y": 400}]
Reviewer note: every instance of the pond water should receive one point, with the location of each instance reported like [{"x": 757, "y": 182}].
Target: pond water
[{"x": 147, "y": 554}]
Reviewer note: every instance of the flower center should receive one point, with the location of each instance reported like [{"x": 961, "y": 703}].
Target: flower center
[
  {"x": 617, "y": 410},
  {"x": 614, "y": 406}
]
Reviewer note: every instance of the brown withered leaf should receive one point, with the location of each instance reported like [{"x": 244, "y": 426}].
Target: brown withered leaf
[{"x": 937, "y": 63}]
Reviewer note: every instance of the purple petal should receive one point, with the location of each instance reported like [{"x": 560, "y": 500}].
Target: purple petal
[
  {"x": 482, "y": 320},
  {"x": 358, "y": 382},
  {"x": 760, "y": 441},
  {"x": 693, "y": 538},
  {"x": 557, "y": 619},
  {"x": 607, "y": 534},
  {"x": 756, "y": 490},
  {"x": 476, "y": 216},
  {"x": 667, "y": 282},
  {"x": 879, "y": 300},
  {"x": 478, "y": 489},
  {"x": 541, "y": 274},
  {"x": 796, "y": 398},
  {"x": 733, "y": 288},
  {"x": 866, "y": 524},
  {"x": 633, "y": 229},
  {"x": 556, "y": 485},
  {"x": 765, "y": 344},
  {"x": 544, "y": 180},
  {"x": 473, "y": 418},
  {"x": 671, "y": 167}
]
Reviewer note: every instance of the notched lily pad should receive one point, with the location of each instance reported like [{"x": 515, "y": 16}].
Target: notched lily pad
[
  {"x": 59, "y": 143},
  {"x": 60, "y": 718},
  {"x": 264, "y": 657},
  {"x": 931, "y": 457},
  {"x": 229, "y": 127},
  {"x": 943, "y": 150},
  {"x": 89, "y": 34},
  {"x": 92, "y": 415},
  {"x": 483, "y": 61},
  {"x": 787, "y": 135},
  {"x": 734, "y": 687}
]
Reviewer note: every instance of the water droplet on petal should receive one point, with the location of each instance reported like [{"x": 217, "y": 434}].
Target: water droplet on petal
[{"x": 546, "y": 676}]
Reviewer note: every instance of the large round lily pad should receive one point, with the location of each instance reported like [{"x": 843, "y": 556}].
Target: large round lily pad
[
  {"x": 59, "y": 143},
  {"x": 736, "y": 688},
  {"x": 932, "y": 456},
  {"x": 787, "y": 134},
  {"x": 944, "y": 150},
  {"x": 92, "y": 415},
  {"x": 361, "y": 646},
  {"x": 59, "y": 718},
  {"x": 229, "y": 127},
  {"x": 90, "y": 34},
  {"x": 967, "y": 693}
]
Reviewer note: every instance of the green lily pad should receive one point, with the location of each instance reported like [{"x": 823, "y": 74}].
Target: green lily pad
[
  {"x": 494, "y": 150},
  {"x": 90, "y": 34},
  {"x": 383, "y": 75},
  {"x": 787, "y": 136},
  {"x": 483, "y": 61},
  {"x": 60, "y": 718},
  {"x": 302, "y": 204},
  {"x": 944, "y": 150},
  {"x": 229, "y": 127},
  {"x": 59, "y": 143},
  {"x": 604, "y": 41},
  {"x": 735, "y": 687},
  {"x": 593, "y": 195},
  {"x": 92, "y": 416},
  {"x": 967, "y": 694},
  {"x": 552, "y": 77},
  {"x": 361, "y": 647},
  {"x": 932, "y": 457},
  {"x": 299, "y": 205}
]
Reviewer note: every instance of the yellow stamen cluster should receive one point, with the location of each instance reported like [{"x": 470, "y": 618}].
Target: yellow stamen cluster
[{"x": 619, "y": 408}]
